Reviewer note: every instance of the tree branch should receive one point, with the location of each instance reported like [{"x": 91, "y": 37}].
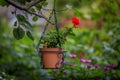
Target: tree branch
[
  {"x": 21, "y": 7},
  {"x": 33, "y": 3},
  {"x": 13, "y": 3}
]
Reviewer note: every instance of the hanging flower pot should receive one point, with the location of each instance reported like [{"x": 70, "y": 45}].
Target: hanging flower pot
[{"x": 51, "y": 57}]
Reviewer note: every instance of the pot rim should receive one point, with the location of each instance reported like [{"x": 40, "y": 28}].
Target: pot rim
[{"x": 51, "y": 50}]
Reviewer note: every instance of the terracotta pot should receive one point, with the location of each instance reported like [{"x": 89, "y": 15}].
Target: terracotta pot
[{"x": 50, "y": 56}]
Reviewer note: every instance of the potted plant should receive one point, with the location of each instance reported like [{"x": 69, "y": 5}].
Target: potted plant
[{"x": 52, "y": 51}]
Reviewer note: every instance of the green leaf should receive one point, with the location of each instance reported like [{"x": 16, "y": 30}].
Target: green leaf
[
  {"x": 35, "y": 18},
  {"x": 18, "y": 33},
  {"x": 38, "y": 6},
  {"x": 15, "y": 23},
  {"x": 3, "y": 3},
  {"x": 32, "y": 9},
  {"x": 29, "y": 34},
  {"x": 21, "y": 18},
  {"x": 44, "y": 3},
  {"x": 26, "y": 24}
]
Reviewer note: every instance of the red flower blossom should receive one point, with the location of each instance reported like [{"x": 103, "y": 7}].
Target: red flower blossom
[{"x": 75, "y": 21}]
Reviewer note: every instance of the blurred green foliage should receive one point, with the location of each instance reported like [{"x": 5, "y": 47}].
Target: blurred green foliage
[{"x": 18, "y": 59}]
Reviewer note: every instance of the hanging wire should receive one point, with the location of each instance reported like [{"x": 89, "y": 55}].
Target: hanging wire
[
  {"x": 43, "y": 33},
  {"x": 61, "y": 53},
  {"x": 45, "y": 28},
  {"x": 56, "y": 23},
  {"x": 57, "y": 30}
]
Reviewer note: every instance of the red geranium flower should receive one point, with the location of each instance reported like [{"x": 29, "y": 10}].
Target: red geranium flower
[{"x": 75, "y": 21}]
